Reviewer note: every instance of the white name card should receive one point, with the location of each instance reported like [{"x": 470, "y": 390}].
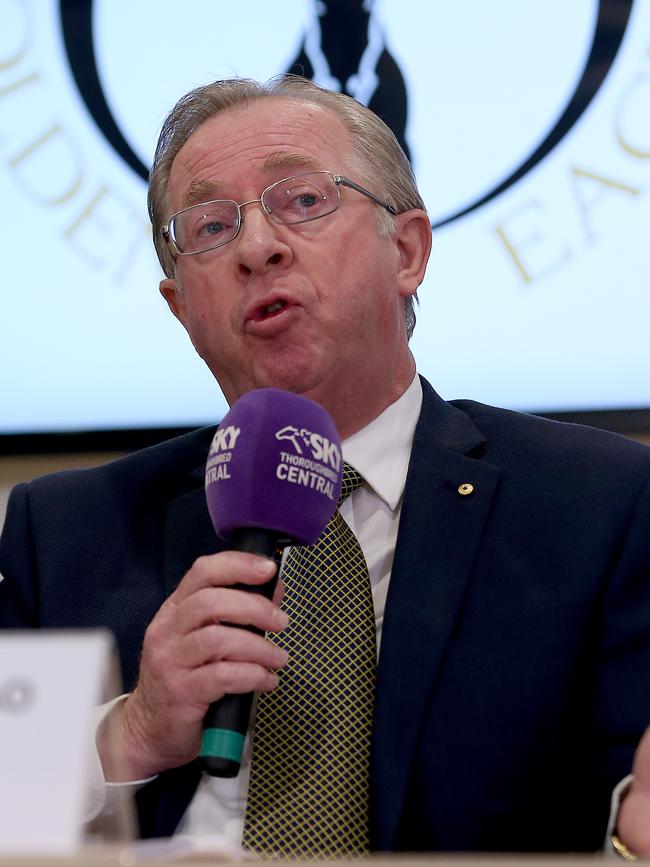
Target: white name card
[{"x": 50, "y": 683}]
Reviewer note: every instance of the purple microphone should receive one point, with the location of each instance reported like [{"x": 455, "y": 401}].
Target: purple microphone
[{"x": 272, "y": 479}]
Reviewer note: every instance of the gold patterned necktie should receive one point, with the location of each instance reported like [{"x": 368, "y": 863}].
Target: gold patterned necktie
[{"x": 308, "y": 794}]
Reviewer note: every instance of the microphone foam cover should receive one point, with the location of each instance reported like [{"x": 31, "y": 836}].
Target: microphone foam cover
[{"x": 274, "y": 463}]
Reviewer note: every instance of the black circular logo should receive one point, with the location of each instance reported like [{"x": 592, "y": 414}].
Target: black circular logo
[{"x": 345, "y": 39}]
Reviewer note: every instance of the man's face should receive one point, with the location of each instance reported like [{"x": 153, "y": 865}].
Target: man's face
[{"x": 315, "y": 308}]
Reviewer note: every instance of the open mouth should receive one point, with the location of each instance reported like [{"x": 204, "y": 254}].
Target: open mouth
[{"x": 268, "y": 311}]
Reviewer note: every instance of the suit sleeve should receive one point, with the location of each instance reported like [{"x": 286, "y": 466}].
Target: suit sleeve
[{"x": 19, "y": 603}]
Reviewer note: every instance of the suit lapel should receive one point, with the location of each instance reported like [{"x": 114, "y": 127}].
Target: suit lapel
[{"x": 440, "y": 530}]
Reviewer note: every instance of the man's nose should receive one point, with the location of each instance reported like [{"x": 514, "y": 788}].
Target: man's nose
[{"x": 260, "y": 244}]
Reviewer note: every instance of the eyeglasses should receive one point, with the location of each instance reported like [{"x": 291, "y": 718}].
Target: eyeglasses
[{"x": 298, "y": 199}]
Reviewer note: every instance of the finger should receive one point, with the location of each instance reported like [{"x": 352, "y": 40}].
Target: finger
[
  {"x": 632, "y": 822},
  {"x": 641, "y": 768},
  {"x": 217, "y": 679},
  {"x": 225, "y": 569},
  {"x": 229, "y": 643},
  {"x": 212, "y": 605},
  {"x": 278, "y": 592}
]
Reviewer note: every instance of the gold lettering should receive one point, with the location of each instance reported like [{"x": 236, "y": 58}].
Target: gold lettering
[
  {"x": 104, "y": 230},
  {"x": 583, "y": 179},
  {"x": 641, "y": 80},
  {"x": 527, "y": 246},
  {"x": 9, "y": 28},
  {"x": 60, "y": 153},
  {"x": 141, "y": 241},
  {"x": 22, "y": 82}
]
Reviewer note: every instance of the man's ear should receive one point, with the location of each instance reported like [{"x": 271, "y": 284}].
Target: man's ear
[
  {"x": 414, "y": 246},
  {"x": 173, "y": 295}
]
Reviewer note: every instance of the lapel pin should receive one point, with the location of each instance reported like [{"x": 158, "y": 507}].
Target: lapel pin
[{"x": 465, "y": 489}]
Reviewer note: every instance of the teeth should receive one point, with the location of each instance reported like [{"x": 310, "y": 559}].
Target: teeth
[{"x": 277, "y": 305}]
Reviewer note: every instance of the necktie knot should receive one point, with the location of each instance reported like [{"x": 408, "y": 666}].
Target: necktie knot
[{"x": 351, "y": 481}]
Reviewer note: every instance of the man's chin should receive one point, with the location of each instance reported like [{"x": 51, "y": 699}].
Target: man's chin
[
  {"x": 294, "y": 380},
  {"x": 295, "y": 372}
]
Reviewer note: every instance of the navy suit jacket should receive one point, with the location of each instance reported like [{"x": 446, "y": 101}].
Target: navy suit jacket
[{"x": 514, "y": 672}]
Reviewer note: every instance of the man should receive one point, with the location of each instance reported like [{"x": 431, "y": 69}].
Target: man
[{"x": 515, "y": 631}]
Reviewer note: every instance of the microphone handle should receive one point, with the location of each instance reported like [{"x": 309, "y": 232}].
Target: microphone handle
[{"x": 226, "y": 721}]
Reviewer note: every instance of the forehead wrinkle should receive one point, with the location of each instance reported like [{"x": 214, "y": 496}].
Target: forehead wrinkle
[
  {"x": 205, "y": 190},
  {"x": 251, "y": 135}
]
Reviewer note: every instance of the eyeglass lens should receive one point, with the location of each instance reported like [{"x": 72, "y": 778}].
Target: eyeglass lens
[{"x": 292, "y": 200}]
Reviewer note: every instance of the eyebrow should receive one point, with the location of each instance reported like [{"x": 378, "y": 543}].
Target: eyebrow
[
  {"x": 201, "y": 191},
  {"x": 287, "y": 160},
  {"x": 205, "y": 190}
]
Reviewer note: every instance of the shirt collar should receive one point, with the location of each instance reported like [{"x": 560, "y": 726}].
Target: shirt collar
[{"x": 381, "y": 450}]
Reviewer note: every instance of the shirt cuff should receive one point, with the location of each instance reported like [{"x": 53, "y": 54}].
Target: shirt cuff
[
  {"x": 615, "y": 805},
  {"x": 102, "y": 797}
]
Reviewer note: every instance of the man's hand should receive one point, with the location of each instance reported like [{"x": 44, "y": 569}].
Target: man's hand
[
  {"x": 193, "y": 654},
  {"x": 633, "y": 826}
]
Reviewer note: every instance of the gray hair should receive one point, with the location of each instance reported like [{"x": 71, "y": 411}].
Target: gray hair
[{"x": 375, "y": 152}]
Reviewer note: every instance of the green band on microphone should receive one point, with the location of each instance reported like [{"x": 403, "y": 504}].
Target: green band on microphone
[{"x": 222, "y": 743}]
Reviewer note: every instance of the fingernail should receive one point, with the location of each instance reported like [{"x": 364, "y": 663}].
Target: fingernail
[
  {"x": 273, "y": 680},
  {"x": 265, "y": 567},
  {"x": 281, "y": 657},
  {"x": 280, "y": 619}
]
